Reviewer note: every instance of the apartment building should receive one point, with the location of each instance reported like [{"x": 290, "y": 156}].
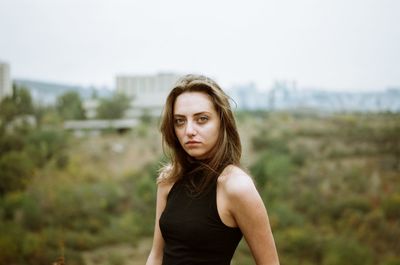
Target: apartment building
[
  {"x": 5, "y": 80},
  {"x": 148, "y": 92}
]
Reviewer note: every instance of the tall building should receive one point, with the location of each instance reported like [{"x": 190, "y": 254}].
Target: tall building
[
  {"x": 148, "y": 92},
  {"x": 5, "y": 80}
]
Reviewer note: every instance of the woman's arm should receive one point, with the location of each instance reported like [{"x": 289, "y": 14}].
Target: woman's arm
[
  {"x": 248, "y": 210},
  {"x": 156, "y": 253}
]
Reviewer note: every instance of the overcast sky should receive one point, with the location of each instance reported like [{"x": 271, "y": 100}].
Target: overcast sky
[{"x": 332, "y": 44}]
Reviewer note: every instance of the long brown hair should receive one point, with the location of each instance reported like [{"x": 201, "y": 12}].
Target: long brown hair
[{"x": 227, "y": 150}]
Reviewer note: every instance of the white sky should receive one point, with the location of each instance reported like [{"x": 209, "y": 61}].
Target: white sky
[{"x": 332, "y": 44}]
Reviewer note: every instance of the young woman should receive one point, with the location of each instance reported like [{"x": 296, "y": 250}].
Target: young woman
[{"x": 205, "y": 201}]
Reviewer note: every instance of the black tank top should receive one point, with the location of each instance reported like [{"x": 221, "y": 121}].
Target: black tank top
[{"x": 192, "y": 229}]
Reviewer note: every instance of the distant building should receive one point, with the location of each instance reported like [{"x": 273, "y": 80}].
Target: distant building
[
  {"x": 285, "y": 95},
  {"x": 247, "y": 97},
  {"x": 148, "y": 92},
  {"x": 5, "y": 80}
]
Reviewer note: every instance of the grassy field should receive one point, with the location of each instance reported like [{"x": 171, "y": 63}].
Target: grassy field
[{"x": 331, "y": 184}]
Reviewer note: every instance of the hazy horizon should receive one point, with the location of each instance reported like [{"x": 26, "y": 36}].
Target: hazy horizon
[{"x": 332, "y": 45}]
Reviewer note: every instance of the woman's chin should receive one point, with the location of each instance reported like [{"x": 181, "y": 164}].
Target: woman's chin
[{"x": 196, "y": 155}]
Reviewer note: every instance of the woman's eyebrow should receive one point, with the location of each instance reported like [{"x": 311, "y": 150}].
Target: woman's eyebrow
[
  {"x": 195, "y": 114},
  {"x": 201, "y": 113}
]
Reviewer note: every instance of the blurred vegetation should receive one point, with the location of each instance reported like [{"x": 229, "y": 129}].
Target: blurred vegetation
[
  {"x": 114, "y": 107},
  {"x": 70, "y": 106},
  {"x": 331, "y": 185},
  {"x": 19, "y": 103}
]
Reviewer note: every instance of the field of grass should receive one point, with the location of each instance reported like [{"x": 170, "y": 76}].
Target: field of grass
[{"x": 331, "y": 184}]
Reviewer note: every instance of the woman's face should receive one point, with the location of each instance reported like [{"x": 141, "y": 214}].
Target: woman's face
[{"x": 196, "y": 123}]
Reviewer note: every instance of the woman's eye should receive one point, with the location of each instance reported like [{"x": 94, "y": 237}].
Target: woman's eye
[
  {"x": 202, "y": 119},
  {"x": 179, "y": 122}
]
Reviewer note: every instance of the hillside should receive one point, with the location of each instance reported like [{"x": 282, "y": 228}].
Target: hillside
[{"x": 331, "y": 185}]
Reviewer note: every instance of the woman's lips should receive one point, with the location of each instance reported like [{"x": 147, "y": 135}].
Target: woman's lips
[{"x": 192, "y": 143}]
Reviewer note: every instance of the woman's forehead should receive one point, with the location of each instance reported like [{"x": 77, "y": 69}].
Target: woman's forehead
[{"x": 190, "y": 103}]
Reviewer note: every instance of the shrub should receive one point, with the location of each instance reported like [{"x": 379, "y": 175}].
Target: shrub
[
  {"x": 10, "y": 238},
  {"x": 391, "y": 207},
  {"x": 16, "y": 170},
  {"x": 344, "y": 251},
  {"x": 392, "y": 261},
  {"x": 273, "y": 144},
  {"x": 300, "y": 242},
  {"x": 283, "y": 216},
  {"x": 32, "y": 214},
  {"x": 355, "y": 203},
  {"x": 271, "y": 173},
  {"x": 11, "y": 142},
  {"x": 45, "y": 144}
]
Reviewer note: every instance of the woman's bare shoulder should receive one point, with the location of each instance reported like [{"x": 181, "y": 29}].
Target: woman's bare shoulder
[
  {"x": 165, "y": 180},
  {"x": 235, "y": 181}
]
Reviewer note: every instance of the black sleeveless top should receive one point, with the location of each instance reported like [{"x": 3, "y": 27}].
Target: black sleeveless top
[{"x": 193, "y": 231}]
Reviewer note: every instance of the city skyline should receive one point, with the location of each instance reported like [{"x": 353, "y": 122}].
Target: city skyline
[{"x": 332, "y": 45}]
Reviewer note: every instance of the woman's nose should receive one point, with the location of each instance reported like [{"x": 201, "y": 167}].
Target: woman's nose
[{"x": 190, "y": 129}]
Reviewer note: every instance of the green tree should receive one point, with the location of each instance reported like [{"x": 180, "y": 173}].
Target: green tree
[
  {"x": 43, "y": 112},
  {"x": 20, "y": 103},
  {"x": 8, "y": 109},
  {"x": 23, "y": 100},
  {"x": 69, "y": 106},
  {"x": 114, "y": 107}
]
